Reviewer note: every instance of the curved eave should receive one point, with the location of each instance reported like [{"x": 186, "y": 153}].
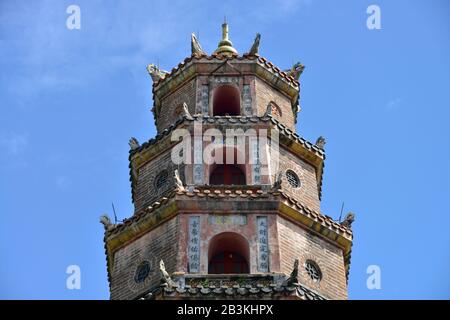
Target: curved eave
[
  {"x": 241, "y": 286},
  {"x": 220, "y": 58},
  {"x": 176, "y": 201}
]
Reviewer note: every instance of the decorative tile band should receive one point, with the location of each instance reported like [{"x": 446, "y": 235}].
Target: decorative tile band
[
  {"x": 263, "y": 244},
  {"x": 194, "y": 244}
]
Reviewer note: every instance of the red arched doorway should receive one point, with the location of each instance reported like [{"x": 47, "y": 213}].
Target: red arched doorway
[
  {"x": 227, "y": 174},
  {"x": 226, "y": 101},
  {"x": 228, "y": 254},
  {"x": 227, "y": 262}
]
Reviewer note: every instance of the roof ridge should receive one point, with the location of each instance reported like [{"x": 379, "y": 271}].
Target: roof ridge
[
  {"x": 211, "y": 119},
  {"x": 214, "y": 192},
  {"x": 317, "y": 215},
  {"x": 257, "y": 57},
  {"x": 296, "y": 289}
]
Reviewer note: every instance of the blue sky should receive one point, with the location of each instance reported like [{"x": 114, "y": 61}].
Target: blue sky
[{"x": 70, "y": 100}]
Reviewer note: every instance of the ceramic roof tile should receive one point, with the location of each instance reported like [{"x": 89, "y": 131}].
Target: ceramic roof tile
[
  {"x": 325, "y": 220},
  {"x": 197, "y": 57},
  {"x": 271, "y": 290}
]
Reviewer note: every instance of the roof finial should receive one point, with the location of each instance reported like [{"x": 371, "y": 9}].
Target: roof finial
[
  {"x": 225, "y": 46},
  {"x": 225, "y": 31}
]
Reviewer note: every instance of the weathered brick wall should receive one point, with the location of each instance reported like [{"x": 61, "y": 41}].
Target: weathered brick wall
[
  {"x": 307, "y": 193},
  {"x": 145, "y": 190},
  {"x": 171, "y": 104},
  {"x": 159, "y": 243},
  {"x": 265, "y": 94},
  {"x": 297, "y": 243}
]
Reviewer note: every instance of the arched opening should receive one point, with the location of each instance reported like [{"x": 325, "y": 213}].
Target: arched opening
[
  {"x": 227, "y": 174},
  {"x": 228, "y": 253},
  {"x": 226, "y": 101},
  {"x": 229, "y": 168}
]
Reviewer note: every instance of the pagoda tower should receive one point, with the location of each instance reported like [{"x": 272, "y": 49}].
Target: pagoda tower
[{"x": 227, "y": 195}]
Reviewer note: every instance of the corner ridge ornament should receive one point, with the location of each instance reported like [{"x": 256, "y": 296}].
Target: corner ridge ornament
[
  {"x": 165, "y": 278},
  {"x": 196, "y": 48},
  {"x": 255, "y": 47},
  {"x": 133, "y": 143},
  {"x": 178, "y": 182},
  {"x": 155, "y": 72},
  {"x": 320, "y": 142},
  {"x": 293, "y": 278},
  {"x": 348, "y": 220},
  {"x": 295, "y": 71},
  {"x": 278, "y": 180},
  {"x": 106, "y": 222},
  {"x": 268, "y": 110},
  {"x": 186, "y": 112}
]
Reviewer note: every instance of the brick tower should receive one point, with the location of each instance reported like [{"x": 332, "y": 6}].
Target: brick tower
[{"x": 227, "y": 195}]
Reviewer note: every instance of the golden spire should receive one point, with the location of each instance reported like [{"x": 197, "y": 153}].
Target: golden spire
[{"x": 225, "y": 46}]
